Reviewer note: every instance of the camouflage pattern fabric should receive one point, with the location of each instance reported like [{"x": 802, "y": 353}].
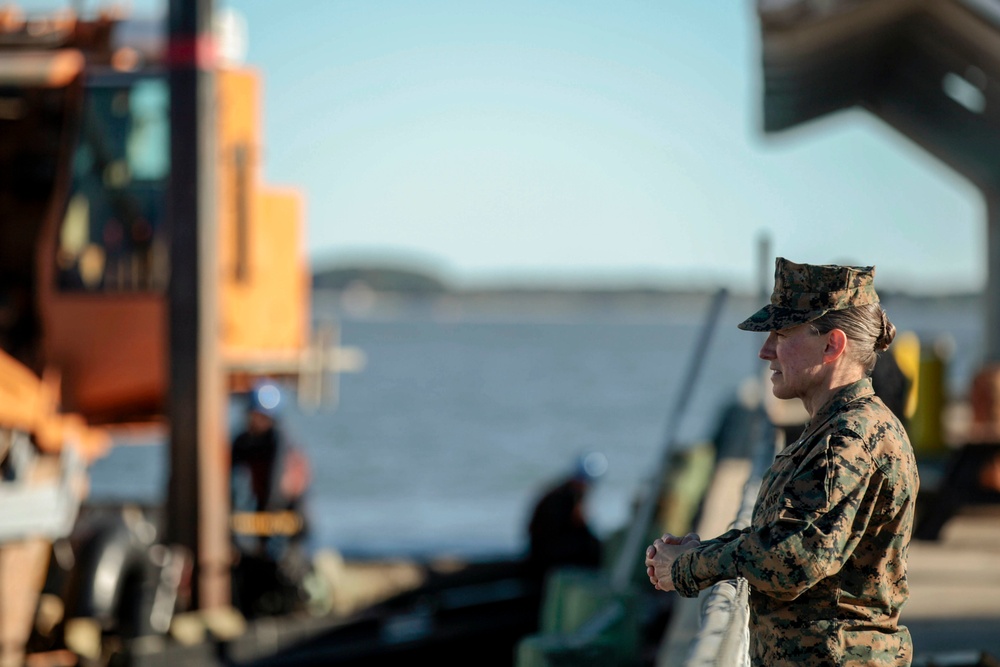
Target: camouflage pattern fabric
[
  {"x": 805, "y": 292},
  {"x": 825, "y": 553}
]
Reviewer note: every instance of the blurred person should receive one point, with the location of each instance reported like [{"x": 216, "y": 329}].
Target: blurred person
[
  {"x": 892, "y": 385},
  {"x": 269, "y": 480},
  {"x": 825, "y": 553},
  {"x": 271, "y": 472},
  {"x": 559, "y": 532}
]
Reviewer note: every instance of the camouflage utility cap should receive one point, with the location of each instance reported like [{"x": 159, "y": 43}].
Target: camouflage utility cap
[{"x": 805, "y": 292}]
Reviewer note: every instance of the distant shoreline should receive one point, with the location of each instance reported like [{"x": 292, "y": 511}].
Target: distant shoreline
[
  {"x": 359, "y": 300},
  {"x": 403, "y": 283}
]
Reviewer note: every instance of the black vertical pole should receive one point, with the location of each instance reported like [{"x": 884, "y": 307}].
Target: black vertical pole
[
  {"x": 991, "y": 292},
  {"x": 197, "y": 502},
  {"x": 765, "y": 267}
]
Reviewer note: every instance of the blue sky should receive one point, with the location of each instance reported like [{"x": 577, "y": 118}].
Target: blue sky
[{"x": 581, "y": 140}]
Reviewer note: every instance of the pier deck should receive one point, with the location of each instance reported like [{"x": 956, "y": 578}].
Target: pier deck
[{"x": 954, "y": 600}]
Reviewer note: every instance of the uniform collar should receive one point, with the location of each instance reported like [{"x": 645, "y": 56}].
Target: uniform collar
[{"x": 847, "y": 394}]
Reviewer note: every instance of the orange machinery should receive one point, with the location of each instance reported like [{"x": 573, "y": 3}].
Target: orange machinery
[
  {"x": 83, "y": 270},
  {"x": 101, "y": 249},
  {"x": 84, "y": 161}
]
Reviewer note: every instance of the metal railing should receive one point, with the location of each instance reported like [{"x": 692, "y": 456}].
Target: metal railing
[{"x": 723, "y": 637}]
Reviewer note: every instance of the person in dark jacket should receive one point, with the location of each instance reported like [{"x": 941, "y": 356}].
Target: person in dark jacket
[
  {"x": 269, "y": 480},
  {"x": 559, "y": 533},
  {"x": 892, "y": 385},
  {"x": 269, "y": 472}
]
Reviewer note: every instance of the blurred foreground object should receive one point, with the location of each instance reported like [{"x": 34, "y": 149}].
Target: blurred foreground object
[{"x": 89, "y": 213}]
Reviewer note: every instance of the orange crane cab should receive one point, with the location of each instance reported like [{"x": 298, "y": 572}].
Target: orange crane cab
[
  {"x": 84, "y": 164},
  {"x": 100, "y": 247}
]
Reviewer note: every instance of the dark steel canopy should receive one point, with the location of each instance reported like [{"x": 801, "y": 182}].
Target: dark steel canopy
[{"x": 928, "y": 68}]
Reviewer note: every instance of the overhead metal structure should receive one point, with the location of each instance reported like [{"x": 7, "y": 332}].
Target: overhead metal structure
[{"x": 928, "y": 68}]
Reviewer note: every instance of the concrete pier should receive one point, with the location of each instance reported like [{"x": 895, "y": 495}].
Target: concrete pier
[{"x": 954, "y": 603}]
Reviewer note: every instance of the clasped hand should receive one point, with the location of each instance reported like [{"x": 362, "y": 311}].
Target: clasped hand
[{"x": 662, "y": 553}]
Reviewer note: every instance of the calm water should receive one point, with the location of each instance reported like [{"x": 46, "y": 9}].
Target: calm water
[{"x": 461, "y": 415}]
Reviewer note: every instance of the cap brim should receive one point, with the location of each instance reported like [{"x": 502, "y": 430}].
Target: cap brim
[{"x": 774, "y": 318}]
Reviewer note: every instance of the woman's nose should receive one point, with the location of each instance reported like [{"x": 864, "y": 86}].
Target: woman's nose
[{"x": 767, "y": 349}]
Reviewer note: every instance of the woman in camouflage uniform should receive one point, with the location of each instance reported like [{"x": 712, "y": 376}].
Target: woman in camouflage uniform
[{"x": 825, "y": 553}]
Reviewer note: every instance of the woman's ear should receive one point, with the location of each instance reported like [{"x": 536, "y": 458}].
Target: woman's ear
[{"x": 836, "y": 344}]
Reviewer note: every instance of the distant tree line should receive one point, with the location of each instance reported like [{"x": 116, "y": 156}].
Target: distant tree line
[{"x": 382, "y": 279}]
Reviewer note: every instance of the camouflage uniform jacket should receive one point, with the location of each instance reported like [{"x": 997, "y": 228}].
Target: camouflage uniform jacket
[{"x": 825, "y": 552}]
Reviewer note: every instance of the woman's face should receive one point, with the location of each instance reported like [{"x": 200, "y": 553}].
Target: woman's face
[{"x": 795, "y": 357}]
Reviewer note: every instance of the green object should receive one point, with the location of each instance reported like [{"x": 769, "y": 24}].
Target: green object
[
  {"x": 583, "y": 622},
  {"x": 685, "y": 489},
  {"x": 554, "y": 651}
]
